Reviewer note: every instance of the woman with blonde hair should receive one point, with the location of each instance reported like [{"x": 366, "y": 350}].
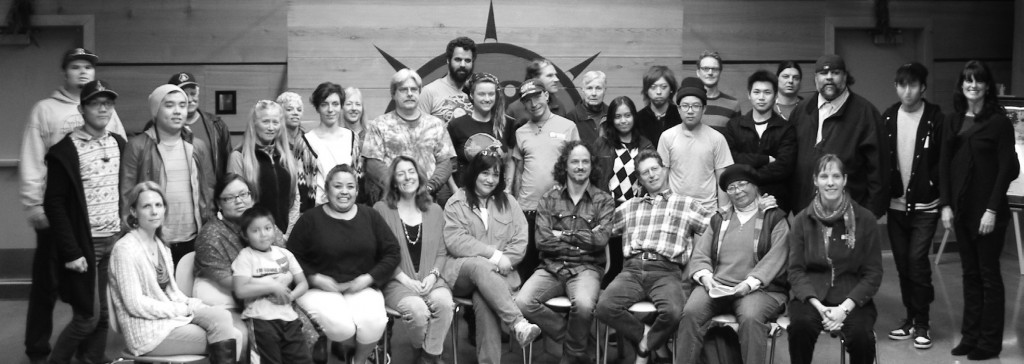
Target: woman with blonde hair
[{"x": 265, "y": 160}]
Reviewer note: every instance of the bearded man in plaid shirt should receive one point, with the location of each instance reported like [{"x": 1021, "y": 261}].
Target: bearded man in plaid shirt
[{"x": 658, "y": 236}]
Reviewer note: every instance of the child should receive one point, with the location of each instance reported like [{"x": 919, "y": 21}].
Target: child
[{"x": 262, "y": 276}]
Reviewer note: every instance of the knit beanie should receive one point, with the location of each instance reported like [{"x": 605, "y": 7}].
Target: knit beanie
[{"x": 157, "y": 97}]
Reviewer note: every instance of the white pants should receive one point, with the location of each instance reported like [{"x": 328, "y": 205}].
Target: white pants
[{"x": 343, "y": 316}]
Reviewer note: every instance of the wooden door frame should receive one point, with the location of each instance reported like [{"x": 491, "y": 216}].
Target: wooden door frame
[{"x": 924, "y": 42}]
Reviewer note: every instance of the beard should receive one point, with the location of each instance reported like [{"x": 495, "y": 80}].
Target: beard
[{"x": 459, "y": 74}]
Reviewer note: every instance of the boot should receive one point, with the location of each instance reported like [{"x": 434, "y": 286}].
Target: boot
[{"x": 221, "y": 352}]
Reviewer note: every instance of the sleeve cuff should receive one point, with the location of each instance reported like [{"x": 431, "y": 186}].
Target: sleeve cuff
[
  {"x": 701, "y": 274},
  {"x": 754, "y": 283},
  {"x": 496, "y": 257}
]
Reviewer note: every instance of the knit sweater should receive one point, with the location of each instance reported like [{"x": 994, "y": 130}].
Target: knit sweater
[{"x": 145, "y": 313}]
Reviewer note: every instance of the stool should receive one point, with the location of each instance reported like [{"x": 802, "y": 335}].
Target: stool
[
  {"x": 774, "y": 332},
  {"x": 461, "y": 302},
  {"x": 642, "y": 307},
  {"x": 168, "y": 359},
  {"x": 562, "y": 304}
]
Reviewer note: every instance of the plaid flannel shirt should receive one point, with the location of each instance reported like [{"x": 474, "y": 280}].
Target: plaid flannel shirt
[
  {"x": 663, "y": 223},
  {"x": 583, "y": 229}
]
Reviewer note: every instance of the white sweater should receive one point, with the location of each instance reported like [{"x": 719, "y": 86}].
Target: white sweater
[{"x": 145, "y": 313}]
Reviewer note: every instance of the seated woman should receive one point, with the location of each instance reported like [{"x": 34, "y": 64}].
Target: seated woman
[
  {"x": 265, "y": 160},
  {"x": 416, "y": 290},
  {"x": 155, "y": 317},
  {"x": 348, "y": 253},
  {"x": 485, "y": 232},
  {"x": 835, "y": 268},
  {"x": 749, "y": 283}
]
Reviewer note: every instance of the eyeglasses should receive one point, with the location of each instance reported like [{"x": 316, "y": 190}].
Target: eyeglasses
[
  {"x": 737, "y": 186},
  {"x": 96, "y": 103},
  {"x": 694, "y": 107},
  {"x": 710, "y": 69},
  {"x": 241, "y": 197}
]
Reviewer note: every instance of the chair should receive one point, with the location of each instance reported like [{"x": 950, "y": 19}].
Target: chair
[
  {"x": 774, "y": 332},
  {"x": 183, "y": 275},
  {"x": 639, "y": 308},
  {"x": 562, "y": 304},
  {"x": 126, "y": 356},
  {"x": 384, "y": 349},
  {"x": 783, "y": 323},
  {"x": 466, "y": 302}
]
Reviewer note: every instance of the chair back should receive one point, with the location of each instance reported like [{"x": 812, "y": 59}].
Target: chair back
[{"x": 183, "y": 275}]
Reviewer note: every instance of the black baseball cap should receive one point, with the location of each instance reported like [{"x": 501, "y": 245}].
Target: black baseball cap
[
  {"x": 96, "y": 88},
  {"x": 79, "y": 53}
]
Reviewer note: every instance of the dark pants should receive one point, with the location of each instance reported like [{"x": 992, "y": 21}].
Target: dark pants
[
  {"x": 984, "y": 294},
  {"x": 532, "y": 258},
  {"x": 911, "y": 238},
  {"x": 86, "y": 334},
  {"x": 279, "y": 342},
  {"x": 805, "y": 326},
  {"x": 179, "y": 250},
  {"x": 42, "y": 297},
  {"x": 614, "y": 260},
  {"x": 659, "y": 281}
]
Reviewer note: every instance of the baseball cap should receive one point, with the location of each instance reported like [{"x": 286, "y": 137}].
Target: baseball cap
[
  {"x": 96, "y": 88},
  {"x": 829, "y": 62},
  {"x": 79, "y": 53},
  {"x": 529, "y": 88},
  {"x": 183, "y": 79}
]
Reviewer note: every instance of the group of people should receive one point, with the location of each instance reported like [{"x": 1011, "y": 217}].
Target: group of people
[{"x": 686, "y": 203}]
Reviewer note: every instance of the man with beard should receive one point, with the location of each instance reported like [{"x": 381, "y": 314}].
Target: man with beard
[
  {"x": 695, "y": 153},
  {"x": 764, "y": 140},
  {"x": 534, "y": 155},
  {"x": 49, "y": 121},
  {"x": 837, "y": 121},
  {"x": 205, "y": 126},
  {"x": 544, "y": 71},
  {"x": 720, "y": 107},
  {"x": 573, "y": 221},
  {"x": 444, "y": 98},
  {"x": 659, "y": 86},
  {"x": 590, "y": 113}
]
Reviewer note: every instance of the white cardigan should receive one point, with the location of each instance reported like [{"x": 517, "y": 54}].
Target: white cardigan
[{"x": 145, "y": 313}]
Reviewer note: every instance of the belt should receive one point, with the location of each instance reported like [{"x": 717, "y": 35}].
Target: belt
[{"x": 649, "y": 256}]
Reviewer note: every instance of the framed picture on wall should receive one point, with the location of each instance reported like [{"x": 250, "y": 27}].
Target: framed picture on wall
[{"x": 225, "y": 102}]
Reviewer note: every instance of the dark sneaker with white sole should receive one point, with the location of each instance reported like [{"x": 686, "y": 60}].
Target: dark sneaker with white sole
[
  {"x": 922, "y": 340},
  {"x": 905, "y": 331}
]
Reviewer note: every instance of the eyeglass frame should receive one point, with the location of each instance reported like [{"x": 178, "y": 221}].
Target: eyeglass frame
[{"x": 235, "y": 198}]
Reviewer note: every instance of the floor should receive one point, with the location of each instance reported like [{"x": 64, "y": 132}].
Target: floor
[{"x": 946, "y": 312}]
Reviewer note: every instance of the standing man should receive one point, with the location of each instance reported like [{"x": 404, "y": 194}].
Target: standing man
[
  {"x": 720, "y": 107},
  {"x": 658, "y": 234},
  {"x": 82, "y": 202},
  {"x": 444, "y": 98},
  {"x": 533, "y": 157},
  {"x": 913, "y": 127},
  {"x": 544, "y": 71},
  {"x": 573, "y": 221},
  {"x": 764, "y": 140},
  {"x": 659, "y": 86},
  {"x": 790, "y": 77},
  {"x": 205, "y": 126},
  {"x": 695, "y": 153},
  {"x": 49, "y": 121},
  {"x": 838, "y": 121},
  {"x": 590, "y": 113}
]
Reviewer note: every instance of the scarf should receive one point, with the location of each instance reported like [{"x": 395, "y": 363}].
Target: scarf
[{"x": 845, "y": 211}]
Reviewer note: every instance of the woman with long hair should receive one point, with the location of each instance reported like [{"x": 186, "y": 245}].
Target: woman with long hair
[
  {"x": 331, "y": 143},
  {"x": 265, "y": 160},
  {"x": 154, "y": 316},
  {"x": 976, "y": 166},
  {"x": 488, "y": 117},
  {"x": 835, "y": 268},
  {"x": 485, "y": 232},
  {"x": 304, "y": 160},
  {"x": 417, "y": 290}
]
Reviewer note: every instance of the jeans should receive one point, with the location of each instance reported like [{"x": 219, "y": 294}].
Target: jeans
[
  {"x": 582, "y": 290},
  {"x": 427, "y": 317},
  {"x": 984, "y": 294},
  {"x": 659, "y": 281},
  {"x": 911, "y": 238},
  {"x": 753, "y": 312},
  {"x": 805, "y": 326},
  {"x": 342, "y": 316},
  {"x": 492, "y": 299},
  {"x": 280, "y": 342},
  {"x": 87, "y": 331},
  {"x": 209, "y": 325},
  {"x": 42, "y": 297}
]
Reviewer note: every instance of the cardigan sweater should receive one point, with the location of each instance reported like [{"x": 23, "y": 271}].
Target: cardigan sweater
[
  {"x": 433, "y": 253},
  {"x": 923, "y": 188},
  {"x": 466, "y": 236},
  {"x": 145, "y": 313}
]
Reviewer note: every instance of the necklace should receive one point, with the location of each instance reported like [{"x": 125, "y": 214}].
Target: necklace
[{"x": 419, "y": 233}]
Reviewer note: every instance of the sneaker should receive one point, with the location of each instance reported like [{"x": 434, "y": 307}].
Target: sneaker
[
  {"x": 525, "y": 332},
  {"x": 921, "y": 338},
  {"x": 905, "y": 331}
]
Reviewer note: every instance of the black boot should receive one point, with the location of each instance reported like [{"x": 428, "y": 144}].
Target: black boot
[{"x": 221, "y": 352}]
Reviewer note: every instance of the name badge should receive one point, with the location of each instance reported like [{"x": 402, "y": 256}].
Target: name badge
[{"x": 555, "y": 135}]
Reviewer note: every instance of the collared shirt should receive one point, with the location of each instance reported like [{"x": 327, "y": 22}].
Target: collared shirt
[
  {"x": 663, "y": 223},
  {"x": 828, "y": 108},
  {"x": 571, "y": 236},
  {"x": 426, "y": 140},
  {"x": 99, "y": 162}
]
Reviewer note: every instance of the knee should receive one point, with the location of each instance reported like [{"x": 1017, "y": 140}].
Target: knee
[
  {"x": 370, "y": 325},
  {"x": 604, "y": 311},
  {"x": 414, "y": 311},
  {"x": 582, "y": 307},
  {"x": 859, "y": 339},
  {"x": 672, "y": 310},
  {"x": 336, "y": 328},
  {"x": 441, "y": 305},
  {"x": 526, "y": 303}
]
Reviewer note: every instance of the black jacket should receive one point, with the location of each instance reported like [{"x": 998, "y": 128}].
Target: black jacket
[
  {"x": 778, "y": 140},
  {"x": 976, "y": 168},
  {"x": 606, "y": 158},
  {"x": 68, "y": 212},
  {"x": 923, "y": 188},
  {"x": 651, "y": 127},
  {"x": 854, "y": 134}
]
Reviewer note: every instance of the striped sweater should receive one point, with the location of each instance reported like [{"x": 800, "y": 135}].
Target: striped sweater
[{"x": 145, "y": 313}]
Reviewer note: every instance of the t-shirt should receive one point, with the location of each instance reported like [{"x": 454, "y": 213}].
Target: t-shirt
[
  {"x": 327, "y": 155},
  {"x": 692, "y": 157},
  {"x": 784, "y": 110},
  {"x": 274, "y": 265},
  {"x": 538, "y": 149},
  {"x": 720, "y": 110},
  {"x": 906, "y": 138},
  {"x": 461, "y": 128},
  {"x": 443, "y": 100},
  {"x": 424, "y": 140},
  {"x": 180, "y": 221}
]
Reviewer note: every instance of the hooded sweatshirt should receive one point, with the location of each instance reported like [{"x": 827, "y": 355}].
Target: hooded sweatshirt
[{"x": 49, "y": 121}]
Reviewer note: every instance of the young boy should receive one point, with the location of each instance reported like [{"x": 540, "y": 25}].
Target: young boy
[{"x": 262, "y": 276}]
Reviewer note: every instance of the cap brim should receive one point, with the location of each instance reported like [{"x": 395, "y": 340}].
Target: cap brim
[
  {"x": 92, "y": 58},
  {"x": 187, "y": 84},
  {"x": 529, "y": 95},
  {"x": 108, "y": 93}
]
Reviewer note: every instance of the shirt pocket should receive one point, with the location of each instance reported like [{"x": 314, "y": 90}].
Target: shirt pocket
[{"x": 501, "y": 229}]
